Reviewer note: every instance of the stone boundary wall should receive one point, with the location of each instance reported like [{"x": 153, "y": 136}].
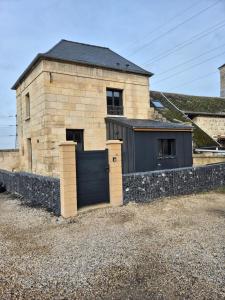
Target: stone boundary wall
[
  {"x": 207, "y": 158},
  {"x": 36, "y": 190},
  {"x": 9, "y": 159},
  {"x": 146, "y": 186}
]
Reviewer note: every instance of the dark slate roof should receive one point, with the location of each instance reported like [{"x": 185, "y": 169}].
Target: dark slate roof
[
  {"x": 221, "y": 66},
  {"x": 148, "y": 124},
  {"x": 73, "y": 52},
  {"x": 172, "y": 113},
  {"x": 200, "y": 105}
]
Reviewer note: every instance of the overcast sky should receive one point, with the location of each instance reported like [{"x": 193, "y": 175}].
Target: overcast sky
[{"x": 181, "y": 41}]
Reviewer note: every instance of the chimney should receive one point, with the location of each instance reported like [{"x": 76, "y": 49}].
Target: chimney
[{"x": 222, "y": 81}]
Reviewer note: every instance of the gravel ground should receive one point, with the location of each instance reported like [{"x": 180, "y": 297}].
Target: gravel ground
[{"x": 169, "y": 249}]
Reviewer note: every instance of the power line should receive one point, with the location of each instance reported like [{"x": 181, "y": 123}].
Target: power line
[
  {"x": 9, "y": 116},
  {"x": 179, "y": 14},
  {"x": 175, "y": 27},
  {"x": 189, "y": 60},
  {"x": 190, "y": 41},
  {"x": 194, "y": 80},
  {"x": 191, "y": 67}
]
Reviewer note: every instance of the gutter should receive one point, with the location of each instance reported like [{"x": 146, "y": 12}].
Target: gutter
[
  {"x": 210, "y": 151},
  {"x": 203, "y": 113}
]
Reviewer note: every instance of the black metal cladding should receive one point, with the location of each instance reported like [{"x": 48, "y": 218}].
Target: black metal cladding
[
  {"x": 140, "y": 151},
  {"x": 146, "y": 151}
]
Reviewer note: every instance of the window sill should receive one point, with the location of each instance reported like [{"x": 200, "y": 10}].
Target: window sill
[
  {"x": 112, "y": 116},
  {"x": 27, "y": 118}
]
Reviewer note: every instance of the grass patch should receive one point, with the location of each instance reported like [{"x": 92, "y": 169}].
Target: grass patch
[{"x": 220, "y": 190}]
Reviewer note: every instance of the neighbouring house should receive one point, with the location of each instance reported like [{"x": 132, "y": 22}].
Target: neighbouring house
[
  {"x": 77, "y": 92},
  {"x": 206, "y": 114}
]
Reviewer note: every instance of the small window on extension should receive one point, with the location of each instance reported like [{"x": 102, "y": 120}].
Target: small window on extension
[
  {"x": 157, "y": 104},
  {"x": 27, "y": 106},
  {"x": 166, "y": 148}
]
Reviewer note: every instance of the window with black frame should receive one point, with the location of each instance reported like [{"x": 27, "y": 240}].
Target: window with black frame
[
  {"x": 114, "y": 102},
  {"x": 166, "y": 148},
  {"x": 76, "y": 135}
]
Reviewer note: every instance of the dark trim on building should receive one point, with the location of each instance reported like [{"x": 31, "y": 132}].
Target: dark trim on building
[
  {"x": 196, "y": 113},
  {"x": 165, "y": 129}
]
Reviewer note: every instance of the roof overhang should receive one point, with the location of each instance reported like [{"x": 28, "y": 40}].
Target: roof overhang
[
  {"x": 221, "y": 66},
  {"x": 146, "y": 125},
  {"x": 27, "y": 71},
  {"x": 199, "y": 113},
  {"x": 164, "y": 129},
  {"x": 42, "y": 56}
]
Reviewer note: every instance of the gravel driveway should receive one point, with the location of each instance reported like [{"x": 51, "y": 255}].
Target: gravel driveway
[{"x": 170, "y": 249}]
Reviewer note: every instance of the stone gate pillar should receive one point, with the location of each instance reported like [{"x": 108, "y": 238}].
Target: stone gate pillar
[
  {"x": 68, "y": 186},
  {"x": 115, "y": 172}
]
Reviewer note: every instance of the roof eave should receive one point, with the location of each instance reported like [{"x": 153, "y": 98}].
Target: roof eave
[
  {"x": 141, "y": 128},
  {"x": 27, "y": 71},
  {"x": 41, "y": 56},
  {"x": 168, "y": 129},
  {"x": 83, "y": 63},
  {"x": 203, "y": 113}
]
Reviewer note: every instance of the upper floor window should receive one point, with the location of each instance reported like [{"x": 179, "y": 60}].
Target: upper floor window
[
  {"x": 27, "y": 106},
  {"x": 166, "y": 148},
  {"x": 114, "y": 102}
]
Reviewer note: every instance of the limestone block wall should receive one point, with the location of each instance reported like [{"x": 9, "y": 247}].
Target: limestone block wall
[
  {"x": 207, "y": 158},
  {"x": 222, "y": 82},
  {"x": 70, "y": 96},
  {"x": 9, "y": 159},
  {"x": 76, "y": 99},
  {"x": 33, "y": 128},
  {"x": 214, "y": 126}
]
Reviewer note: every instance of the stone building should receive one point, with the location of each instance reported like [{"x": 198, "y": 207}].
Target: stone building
[{"x": 66, "y": 94}]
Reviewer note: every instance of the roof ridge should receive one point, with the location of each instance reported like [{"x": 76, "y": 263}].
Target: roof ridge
[
  {"x": 188, "y": 95},
  {"x": 91, "y": 45}
]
